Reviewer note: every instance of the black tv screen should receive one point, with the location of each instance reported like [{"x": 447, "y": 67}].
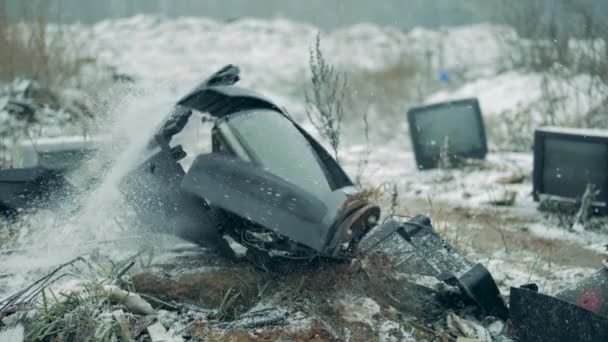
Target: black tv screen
[
  {"x": 567, "y": 160},
  {"x": 454, "y": 128}
]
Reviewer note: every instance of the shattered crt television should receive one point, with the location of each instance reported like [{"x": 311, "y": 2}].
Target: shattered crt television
[
  {"x": 266, "y": 184},
  {"x": 269, "y": 186},
  {"x": 450, "y": 132},
  {"x": 566, "y": 161}
]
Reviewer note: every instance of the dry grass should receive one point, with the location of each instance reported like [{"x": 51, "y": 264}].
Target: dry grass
[
  {"x": 391, "y": 89},
  {"x": 30, "y": 49},
  {"x": 232, "y": 292}
]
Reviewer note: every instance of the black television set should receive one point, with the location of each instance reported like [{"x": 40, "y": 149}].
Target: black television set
[
  {"x": 452, "y": 130},
  {"x": 566, "y": 160}
]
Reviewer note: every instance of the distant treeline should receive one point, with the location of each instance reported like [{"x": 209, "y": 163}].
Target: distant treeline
[{"x": 331, "y": 14}]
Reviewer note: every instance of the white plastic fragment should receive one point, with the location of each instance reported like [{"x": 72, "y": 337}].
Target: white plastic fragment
[
  {"x": 132, "y": 301},
  {"x": 158, "y": 333},
  {"x": 463, "y": 328},
  {"x": 496, "y": 328}
]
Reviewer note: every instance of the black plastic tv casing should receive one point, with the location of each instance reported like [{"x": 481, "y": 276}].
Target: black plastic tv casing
[
  {"x": 571, "y": 134},
  {"x": 426, "y": 163}
]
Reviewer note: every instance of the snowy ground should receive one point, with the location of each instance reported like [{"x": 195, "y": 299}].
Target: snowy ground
[{"x": 168, "y": 57}]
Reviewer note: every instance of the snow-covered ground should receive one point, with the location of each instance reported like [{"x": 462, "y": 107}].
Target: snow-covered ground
[{"x": 169, "y": 56}]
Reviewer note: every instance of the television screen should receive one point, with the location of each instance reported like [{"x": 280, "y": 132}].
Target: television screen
[
  {"x": 453, "y": 129},
  {"x": 293, "y": 158},
  {"x": 567, "y": 160}
]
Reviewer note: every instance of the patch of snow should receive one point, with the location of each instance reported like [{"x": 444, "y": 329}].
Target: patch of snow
[
  {"x": 590, "y": 240},
  {"x": 512, "y": 90},
  {"x": 13, "y": 334}
]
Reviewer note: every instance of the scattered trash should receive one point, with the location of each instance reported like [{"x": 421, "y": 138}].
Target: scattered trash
[{"x": 283, "y": 199}]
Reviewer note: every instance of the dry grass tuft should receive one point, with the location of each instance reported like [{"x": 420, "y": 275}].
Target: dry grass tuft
[
  {"x": 391, "y": 89},
  {"x": 232, "y": 292},
  {"x": 32, "y": 50}
]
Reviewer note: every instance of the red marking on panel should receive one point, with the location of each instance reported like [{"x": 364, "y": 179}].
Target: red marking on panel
[{"x": 590, "y": 299}]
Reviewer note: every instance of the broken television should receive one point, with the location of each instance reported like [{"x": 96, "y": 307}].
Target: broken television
[
  {"x": 568, "y": 163},
  {"x": 447, "y": 133},
  {"x": 267, "y": 184}
]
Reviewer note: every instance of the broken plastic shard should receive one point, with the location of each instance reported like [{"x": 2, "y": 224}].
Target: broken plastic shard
[
  {"x": 539, "y": 317},
  {"x": 590, "y": 293},
  {"x": 415, "y": 248}
]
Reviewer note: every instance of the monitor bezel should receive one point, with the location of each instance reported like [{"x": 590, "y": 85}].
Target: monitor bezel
[
  {"x": 538, "y": 188},
  {"x": 426, "y": 163}
]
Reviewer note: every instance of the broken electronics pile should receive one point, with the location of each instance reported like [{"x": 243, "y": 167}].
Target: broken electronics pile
[{"x": 292, "y": 202}]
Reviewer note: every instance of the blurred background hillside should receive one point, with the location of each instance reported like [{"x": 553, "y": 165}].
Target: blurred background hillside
[{"x": 333, "y": 14}]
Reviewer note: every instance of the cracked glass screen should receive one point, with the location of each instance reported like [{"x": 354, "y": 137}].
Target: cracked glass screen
[
  {"x": 570, "y": 165},
  {"x": 456, "y": 123},
  {"x": 275, "y": 143}
]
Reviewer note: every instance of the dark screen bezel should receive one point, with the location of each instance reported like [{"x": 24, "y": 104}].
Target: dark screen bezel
[
  {"x": 538, "y": 187},
  {"x": 430, "y": 163}
]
